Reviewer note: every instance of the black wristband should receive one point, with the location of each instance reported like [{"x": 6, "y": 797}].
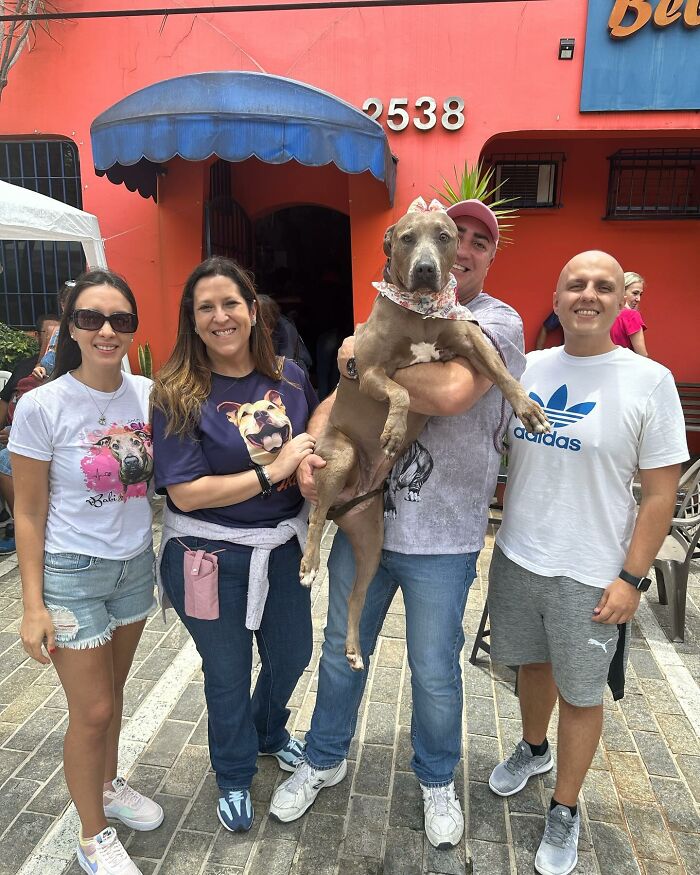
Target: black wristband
[
  {"x": 640, "y": 583},
  {"x": 265, "y": 483}
]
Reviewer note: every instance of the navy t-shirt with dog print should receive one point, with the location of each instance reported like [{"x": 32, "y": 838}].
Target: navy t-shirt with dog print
[{"x": 244, "y": 421}]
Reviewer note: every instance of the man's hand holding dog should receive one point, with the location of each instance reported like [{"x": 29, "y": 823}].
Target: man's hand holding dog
[{"x": 290, "y": 456}]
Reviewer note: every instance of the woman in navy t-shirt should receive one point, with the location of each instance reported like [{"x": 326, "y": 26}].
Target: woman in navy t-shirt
[{"x": 228, "y": 432}]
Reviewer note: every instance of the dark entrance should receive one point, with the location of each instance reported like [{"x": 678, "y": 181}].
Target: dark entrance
[{"x": 302, "y": 260}]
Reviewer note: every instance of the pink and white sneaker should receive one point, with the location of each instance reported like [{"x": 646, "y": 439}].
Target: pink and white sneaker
[
  {"x": 128, "y": 805},
  {"x": 105, "y": 855}
]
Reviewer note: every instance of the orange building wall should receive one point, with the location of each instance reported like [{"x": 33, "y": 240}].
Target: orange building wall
[
  {"x": 501, "y": 58},
  {"x": 665, "y": 252}
]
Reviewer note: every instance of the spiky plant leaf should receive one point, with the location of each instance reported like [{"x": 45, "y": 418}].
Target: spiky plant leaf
[
  {"x": 475, "y": 183},
  {"x": 145, "y": 360}
]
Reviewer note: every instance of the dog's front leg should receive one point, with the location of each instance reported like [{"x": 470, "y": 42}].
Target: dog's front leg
[
  {"x": 375, "y": 382},
  {"x": 472, "y": 345}
]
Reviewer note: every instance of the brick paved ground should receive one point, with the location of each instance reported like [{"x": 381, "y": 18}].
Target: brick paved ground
[{"x": 639, "y": 806}]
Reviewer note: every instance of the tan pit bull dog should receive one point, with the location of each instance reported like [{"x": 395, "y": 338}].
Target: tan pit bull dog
[{"x": 370, "y": 423}]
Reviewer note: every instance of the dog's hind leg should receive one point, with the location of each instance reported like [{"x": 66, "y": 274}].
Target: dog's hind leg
[
  {"x": 341, "y": 456},
  {"x": 365, "y": 531}
]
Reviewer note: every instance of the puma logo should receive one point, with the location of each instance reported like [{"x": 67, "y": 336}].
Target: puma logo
[{"x": 600, "y": 644}]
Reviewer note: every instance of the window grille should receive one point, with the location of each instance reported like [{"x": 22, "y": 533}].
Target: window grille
[
  {"x": 228, "y": 230},
  {"x": 532, "y": 180},
  {"x": 32, "y": 271},
  {"x": 654, "y": 184}
]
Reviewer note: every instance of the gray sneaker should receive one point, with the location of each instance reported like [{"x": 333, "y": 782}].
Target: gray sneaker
[
  {"x": 558, "y": 850},
  {"x": 511, "y": 775}
]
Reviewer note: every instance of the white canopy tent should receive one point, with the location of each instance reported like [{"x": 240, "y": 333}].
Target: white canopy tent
[{"x": 27, "y": 215}]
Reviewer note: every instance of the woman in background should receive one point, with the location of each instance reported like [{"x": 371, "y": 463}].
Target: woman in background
[{"x": 628, "y": 329}]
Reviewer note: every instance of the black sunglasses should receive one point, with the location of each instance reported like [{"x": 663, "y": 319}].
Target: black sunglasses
[{"x": 93, "y": 320}]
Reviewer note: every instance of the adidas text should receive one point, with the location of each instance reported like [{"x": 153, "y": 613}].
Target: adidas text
[{"x": 552, "y": 439}]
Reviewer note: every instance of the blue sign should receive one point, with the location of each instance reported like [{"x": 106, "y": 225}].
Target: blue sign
[{"x": 653, "y": 61}]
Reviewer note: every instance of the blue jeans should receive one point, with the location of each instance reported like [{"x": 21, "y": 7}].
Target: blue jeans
[
  {"x": 241, "y": 725},
  {"x": 435, "y": 590}
]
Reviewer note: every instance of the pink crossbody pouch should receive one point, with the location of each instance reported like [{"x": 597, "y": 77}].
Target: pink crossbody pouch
[{"x": 201, "y": 570}]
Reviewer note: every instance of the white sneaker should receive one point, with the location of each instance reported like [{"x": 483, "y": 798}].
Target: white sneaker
[
  {"x": 105, "y": 855},
  {"x": 128, "y": 805},
  {"x": 297, "y": 794},
  {"x": 444, "y": 821}
]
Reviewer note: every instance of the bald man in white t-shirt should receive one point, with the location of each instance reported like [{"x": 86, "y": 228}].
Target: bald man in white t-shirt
[{"x": 572, "y": 554}]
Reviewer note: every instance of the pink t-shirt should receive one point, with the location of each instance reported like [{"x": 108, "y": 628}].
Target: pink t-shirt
[{"x": 628, "y": 322}]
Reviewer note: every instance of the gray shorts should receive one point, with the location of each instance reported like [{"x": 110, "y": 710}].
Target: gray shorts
[{"x": 549, "y": 619}]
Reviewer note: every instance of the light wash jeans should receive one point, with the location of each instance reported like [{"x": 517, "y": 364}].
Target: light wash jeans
[{"x": 435, "y": 590}]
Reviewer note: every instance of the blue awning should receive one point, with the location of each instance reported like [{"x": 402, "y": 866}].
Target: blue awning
[{"x": 235, "y": 115}]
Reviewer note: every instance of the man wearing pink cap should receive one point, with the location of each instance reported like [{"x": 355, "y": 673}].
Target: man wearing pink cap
[{"x": 435, "y": 512}]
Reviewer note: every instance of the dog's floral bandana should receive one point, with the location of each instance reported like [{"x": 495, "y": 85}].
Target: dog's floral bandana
[{"x": 443, "y": 305}]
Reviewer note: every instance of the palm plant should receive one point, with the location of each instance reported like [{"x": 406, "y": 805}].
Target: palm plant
[
  {"x": 145, "y": 360},
  {"x": 475, "y": 182}
]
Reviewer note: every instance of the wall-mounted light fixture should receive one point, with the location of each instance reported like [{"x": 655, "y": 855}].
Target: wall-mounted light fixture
[{"x": 566, "y": 49}]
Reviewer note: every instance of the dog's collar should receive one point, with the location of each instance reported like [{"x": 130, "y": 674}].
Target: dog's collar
[{"x": 443, "y": 305}]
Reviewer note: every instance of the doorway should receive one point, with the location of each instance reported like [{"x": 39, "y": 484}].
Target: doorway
[{"x": 302, "y": 260}]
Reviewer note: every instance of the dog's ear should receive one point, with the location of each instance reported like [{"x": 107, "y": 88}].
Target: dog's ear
[
  {"x": 388, "y": 237},
  {"x": 144, "y": 435},
  {"x": 232, "y": 407},
  {"x": 274, "y": 397},
  {"x": 103, "y": 442}
]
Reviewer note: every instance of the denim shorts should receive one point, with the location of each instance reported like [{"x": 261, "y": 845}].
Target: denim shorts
[
  {"x": 89, "y": 597},
  {"x": 5, "y": 466}
]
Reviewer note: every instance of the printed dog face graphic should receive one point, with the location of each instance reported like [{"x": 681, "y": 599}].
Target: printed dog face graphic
[
  {"x": 130, "y": 450},
  {"x": 263, "y": 425}
]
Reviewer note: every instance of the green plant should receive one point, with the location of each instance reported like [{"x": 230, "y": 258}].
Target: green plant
[
  {"x": 475, "y": 183},
  {"x": 145, "y": 360},
  {"x": 15, "y": 345}
]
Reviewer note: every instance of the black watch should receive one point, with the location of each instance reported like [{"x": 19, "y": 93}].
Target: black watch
[
  {"x": 264, "y": 480},
  {"x": 640, "y": 583},
  {"x": 351, "y": 368}
]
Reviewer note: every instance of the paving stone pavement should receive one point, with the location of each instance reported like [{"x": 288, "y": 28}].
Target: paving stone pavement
[{"x": 639, "y": 805}]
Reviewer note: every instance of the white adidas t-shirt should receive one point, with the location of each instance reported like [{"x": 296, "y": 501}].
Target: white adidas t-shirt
[
  {"x": 99, "y": 474},
  {"x": 569, "y": 508}
]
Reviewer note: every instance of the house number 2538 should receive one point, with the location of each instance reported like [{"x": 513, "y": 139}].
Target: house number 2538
[{"x": 426, "y": 117}]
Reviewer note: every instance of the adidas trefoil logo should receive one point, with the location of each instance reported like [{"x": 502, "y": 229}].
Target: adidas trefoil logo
[
  {"x": 560, "y": 416},
  {"x": 557, "y": 412}
]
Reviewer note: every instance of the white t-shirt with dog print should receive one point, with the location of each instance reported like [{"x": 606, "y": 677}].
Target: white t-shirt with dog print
[{"x": 99, "y": 475}]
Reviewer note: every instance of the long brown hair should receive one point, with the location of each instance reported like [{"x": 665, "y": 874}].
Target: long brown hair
[{"x": 183, "y": 384}]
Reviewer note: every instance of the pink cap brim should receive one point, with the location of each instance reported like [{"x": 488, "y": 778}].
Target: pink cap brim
[{"x": 476, "y": 210}]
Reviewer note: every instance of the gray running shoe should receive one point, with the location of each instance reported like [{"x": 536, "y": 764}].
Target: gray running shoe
[
  {"x": 558, "y": 850},
  {"x": 511, "y": 775}
]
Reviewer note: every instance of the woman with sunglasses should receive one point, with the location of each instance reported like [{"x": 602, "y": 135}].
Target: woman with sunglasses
[
  {"x": 229, "y": 421},
  {"x": 82, "y": 461}
]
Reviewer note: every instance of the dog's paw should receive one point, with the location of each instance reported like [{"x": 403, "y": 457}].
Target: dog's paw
[
  {"x": 533, "y": 417},
  {"x": 412, "y": 496},
  {"x": 392, "y": 439},
  {"x": 355, "y": 660},
  {"x": 306, "y": 578}
]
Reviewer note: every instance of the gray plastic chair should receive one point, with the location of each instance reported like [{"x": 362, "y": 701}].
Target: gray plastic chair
[{"x": 672, "y": 565}]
